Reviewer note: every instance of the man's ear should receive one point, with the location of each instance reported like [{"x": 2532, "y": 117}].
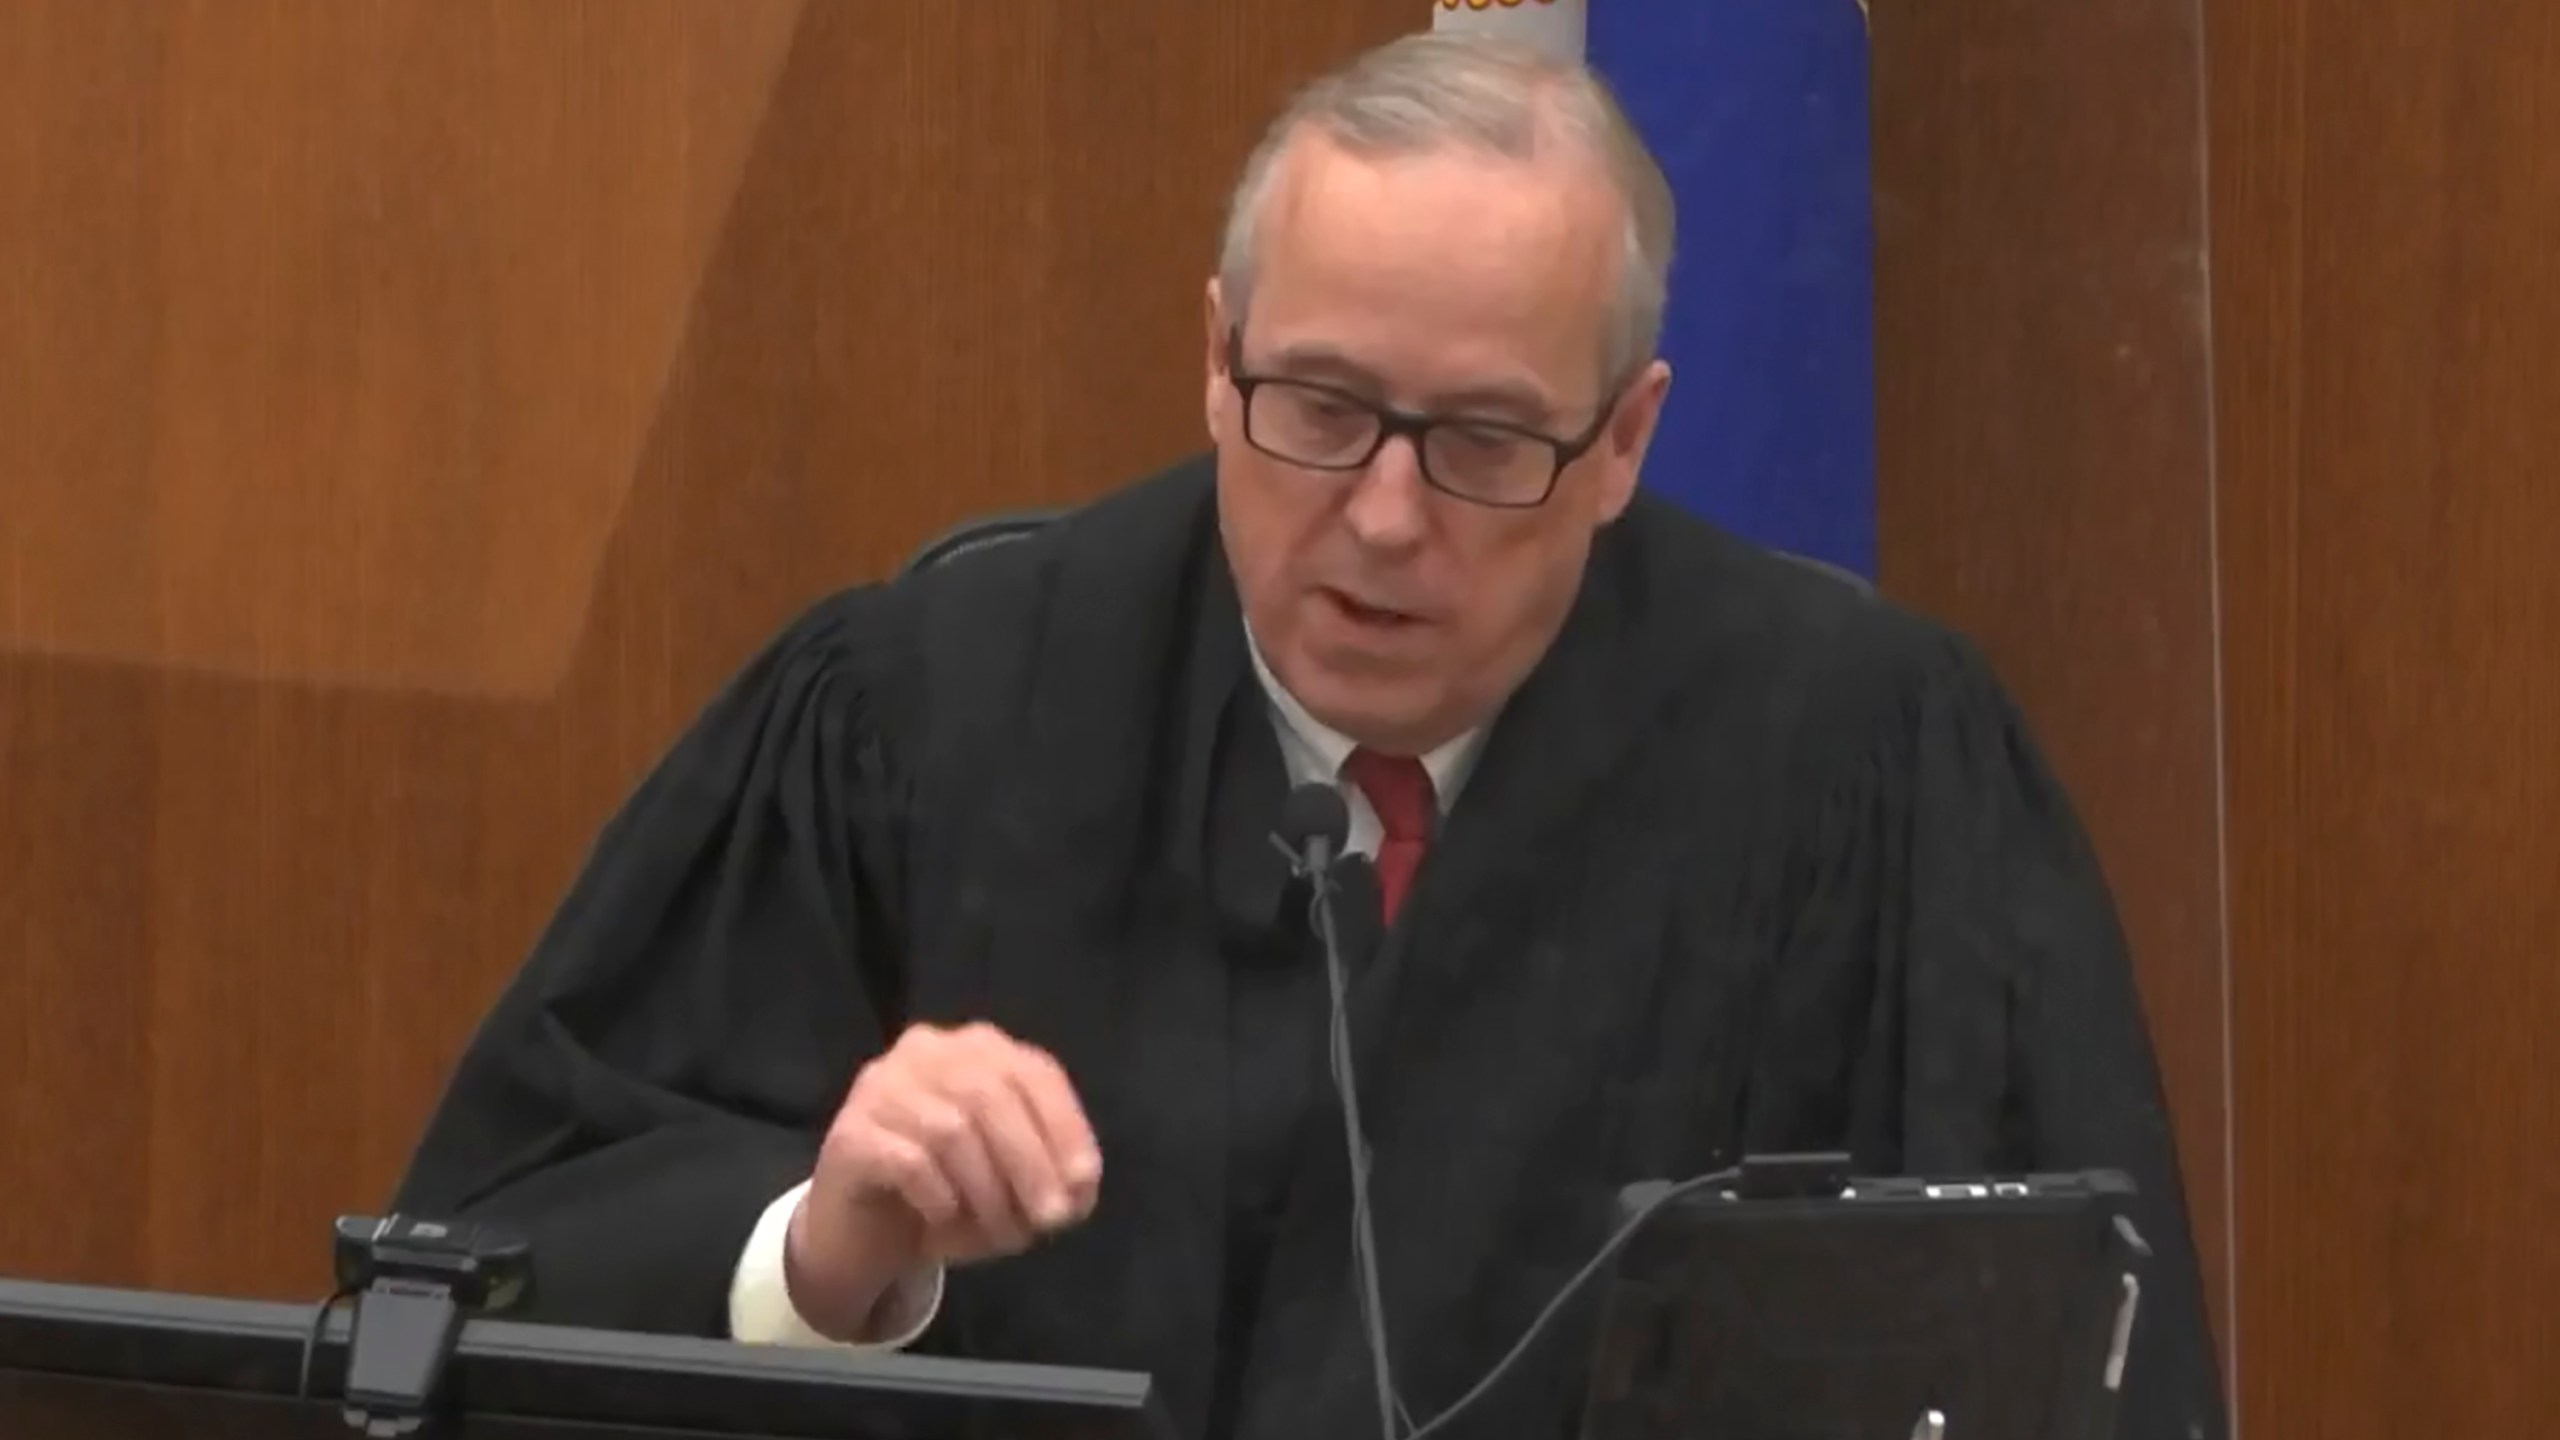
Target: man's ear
[
  {"x": 1214, "y": 368},
  {"x": 1623, "y": 445}
]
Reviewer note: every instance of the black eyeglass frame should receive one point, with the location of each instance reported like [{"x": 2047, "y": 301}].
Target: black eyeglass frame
[{"x": 1416, "y": 426}]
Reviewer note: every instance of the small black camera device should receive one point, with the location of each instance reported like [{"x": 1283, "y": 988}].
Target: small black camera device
[{"x": 484, "y": 1267}]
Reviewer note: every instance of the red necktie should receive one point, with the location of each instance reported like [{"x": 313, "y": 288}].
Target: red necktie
[{"x": 1399, "y": 790}]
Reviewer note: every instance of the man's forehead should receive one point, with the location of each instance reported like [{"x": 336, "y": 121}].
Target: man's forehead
[{"x": 1441, "y": 261}]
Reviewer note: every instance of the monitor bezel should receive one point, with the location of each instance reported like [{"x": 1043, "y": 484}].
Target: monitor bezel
[{"x": 516, "y": 1371}]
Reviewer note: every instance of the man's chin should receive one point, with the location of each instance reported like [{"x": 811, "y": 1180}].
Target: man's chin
[{"x": 1374, "y": 708}]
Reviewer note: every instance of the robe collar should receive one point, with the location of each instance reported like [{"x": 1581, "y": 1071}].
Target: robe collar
[
  {"x": 1558, "y": 743},
  {"x": 1562, "y": 735}
]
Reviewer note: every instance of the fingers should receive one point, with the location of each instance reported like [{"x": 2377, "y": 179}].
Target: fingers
[
  {"x": 1032, "y": 1179},
  {"x": 910, "y": 1171},
  {"x": 1064, "y": 1131},
  {"x": 974, "y": 1131},
  {"x": 953, "y": 1135},
  {"x": 1021, "y": 1103}
]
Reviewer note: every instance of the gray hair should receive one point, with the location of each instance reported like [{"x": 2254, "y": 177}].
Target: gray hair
[{"x": 1431, "y": 91}]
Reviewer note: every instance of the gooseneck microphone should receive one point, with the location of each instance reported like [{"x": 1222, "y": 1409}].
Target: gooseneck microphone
[{"x": 1314, "y": 825}]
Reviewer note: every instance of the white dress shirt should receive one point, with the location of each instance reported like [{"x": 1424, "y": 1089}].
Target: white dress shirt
[
  {"x": 1315, "y": 751},
  {"x": 760, "y": 1308}
]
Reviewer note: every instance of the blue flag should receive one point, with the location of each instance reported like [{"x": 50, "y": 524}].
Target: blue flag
[{"x": 1758, "y": 112}]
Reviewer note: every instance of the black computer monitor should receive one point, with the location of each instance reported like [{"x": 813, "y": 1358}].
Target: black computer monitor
[
  {"x": 1977, "y": 1309},
  {"x": 78, "y": 1362}
]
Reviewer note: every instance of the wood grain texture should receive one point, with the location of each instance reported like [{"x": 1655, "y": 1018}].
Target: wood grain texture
[
  {"x": 2044, "y": 450},
  {"x": 2386, "y": 200},
  {"x": 412, "y": 271},
  {"x": 414, "y": 410}
]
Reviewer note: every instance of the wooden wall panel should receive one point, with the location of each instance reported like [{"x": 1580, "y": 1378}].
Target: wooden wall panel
[
  {"x": 2386, "y": 205},
  {"x": 2044, "y": 446},
  {"x": 344, "y": 324},
  {"x": 2376, "y": 546},
  {"x": 410, "y": 410}
]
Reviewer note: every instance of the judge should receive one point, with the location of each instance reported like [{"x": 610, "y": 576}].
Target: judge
[{"x": 943, "y": 987}]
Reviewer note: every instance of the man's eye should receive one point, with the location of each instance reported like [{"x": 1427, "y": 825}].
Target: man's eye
[{"x": 1482, "y": 439}]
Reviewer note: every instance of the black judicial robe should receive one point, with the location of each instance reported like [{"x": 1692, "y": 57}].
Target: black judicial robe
[{"x": 1752, "y": 862}]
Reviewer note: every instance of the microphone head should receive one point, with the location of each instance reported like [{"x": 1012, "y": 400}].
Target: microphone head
[{"x": 1314, "y": 812}]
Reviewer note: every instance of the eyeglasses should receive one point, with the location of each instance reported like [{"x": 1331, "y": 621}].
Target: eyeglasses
[{"x": 1483, "y": 461}]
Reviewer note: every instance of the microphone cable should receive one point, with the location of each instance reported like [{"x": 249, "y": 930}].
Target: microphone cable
[
  {"x": 320, "y": 1314},
  {"x": 1313, "y": 825},
  {"x": 1564, "y": 1294},
  {"x": 1392, "y": 1414}
]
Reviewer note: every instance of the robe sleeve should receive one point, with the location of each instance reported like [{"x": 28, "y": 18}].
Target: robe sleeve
[
  {"x": 664, "y": 1063},
  {"x": 2003, "y": 1031}
]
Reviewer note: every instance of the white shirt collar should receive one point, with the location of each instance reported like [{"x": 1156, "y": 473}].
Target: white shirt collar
[{"x": 1315, "y": 751}]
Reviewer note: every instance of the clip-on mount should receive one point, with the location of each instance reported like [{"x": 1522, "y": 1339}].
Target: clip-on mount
[{"x": 413, "y": 1282}]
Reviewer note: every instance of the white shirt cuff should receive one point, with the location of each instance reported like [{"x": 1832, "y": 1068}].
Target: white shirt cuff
[{"x": 760, "y": 1308}]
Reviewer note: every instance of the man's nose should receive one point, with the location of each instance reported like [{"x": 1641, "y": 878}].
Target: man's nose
[{"x": 1387, "y": 506}]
